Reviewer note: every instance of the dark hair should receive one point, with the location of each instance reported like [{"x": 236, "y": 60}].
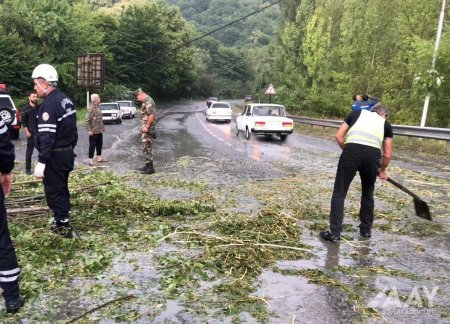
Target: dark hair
[
  {"x": 29, "y": 93},
  {"x": 365, "y": 97},
  {"x": 354, "y": 97}
]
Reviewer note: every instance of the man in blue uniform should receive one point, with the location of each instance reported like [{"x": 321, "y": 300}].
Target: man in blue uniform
[
  {"x": 9, "y": 269},
  {"x": 362, "y": 136},
  {"x": 56, "y": 138},
  {"x": 366, "y": 103},
  {"x": 356, "y": 102}
]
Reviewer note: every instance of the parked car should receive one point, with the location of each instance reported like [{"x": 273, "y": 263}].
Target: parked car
[
  {"x": 210, "y": 100},
  {"x": 219, "y": 111},
  {"x": 264, "y": 119},
  {"x": 127, "y": 107},
  {"x": 111, "y": 112},
  {"x": 10, "y": 115},
  {"x": 248, "y": 98}
]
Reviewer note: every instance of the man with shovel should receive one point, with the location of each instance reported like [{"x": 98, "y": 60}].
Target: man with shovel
[{"x": 361, "y": 136}]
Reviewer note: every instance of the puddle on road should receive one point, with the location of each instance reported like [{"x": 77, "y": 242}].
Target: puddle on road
[{"x": 294, "y": 300}]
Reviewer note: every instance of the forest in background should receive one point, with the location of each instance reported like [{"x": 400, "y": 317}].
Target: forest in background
[
  {"x": 330, "y": 50},
  {"x": 317, "y": 53}
]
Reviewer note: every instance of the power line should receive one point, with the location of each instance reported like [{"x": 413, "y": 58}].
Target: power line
[{"x": 198, "y": 38}]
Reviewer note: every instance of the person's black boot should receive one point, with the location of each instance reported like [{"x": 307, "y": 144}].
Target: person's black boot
[
  {"x": 326, "y": 235},
  {"x": 63, "y": 229},
  {"x": 366, "y": 234},
  {"x": 144, "y": 168},
  {"x": 13, "y": 305},
  {"x": 149, "y": 169}
]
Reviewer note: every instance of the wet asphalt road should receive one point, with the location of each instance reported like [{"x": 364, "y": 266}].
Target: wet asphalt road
[{"x": 182, "y": 131}]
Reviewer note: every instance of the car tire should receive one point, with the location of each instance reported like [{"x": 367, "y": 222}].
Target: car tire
[
  {"x": 207, "y": 119},
  {"x": 7, "y": 114},
  {"x": 247, "y": 133},
  {"x": 283, "y": 137}
]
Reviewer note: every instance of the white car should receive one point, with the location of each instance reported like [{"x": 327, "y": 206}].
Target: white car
[
  {"x": 219, "y": 111},
  {"x": 127, "y": 107},
  {"x": 10, "y": 115},
  {"x": 111, "y": 112},
  {"x": 264, "y": 119}
]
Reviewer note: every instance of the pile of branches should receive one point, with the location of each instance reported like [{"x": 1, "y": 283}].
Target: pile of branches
[{"x": 27, "y": 198}]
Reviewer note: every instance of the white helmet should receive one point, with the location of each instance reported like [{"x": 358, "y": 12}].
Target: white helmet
[{"x": 45, "y": 71}]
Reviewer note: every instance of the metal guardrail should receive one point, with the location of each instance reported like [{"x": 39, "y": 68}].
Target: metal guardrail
[{"x": 410, "y": 131}]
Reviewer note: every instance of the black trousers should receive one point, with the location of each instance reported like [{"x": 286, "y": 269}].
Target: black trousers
[
  {"x": 9, "y": 269},
  {"x": 56, "y": 183},
  {"x": 29, "y": 153},
  {"x": 95, "y": 144},
  {"x": 367, "y": 161}
]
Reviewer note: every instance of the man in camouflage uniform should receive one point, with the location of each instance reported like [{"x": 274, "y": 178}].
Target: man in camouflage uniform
[{"x": 148, "y": 121}]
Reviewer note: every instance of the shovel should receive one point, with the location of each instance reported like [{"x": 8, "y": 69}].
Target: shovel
[{"x": 420, "y": 206}]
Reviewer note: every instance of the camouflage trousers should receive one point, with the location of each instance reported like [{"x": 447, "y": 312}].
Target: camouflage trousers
[{"x": 147, "y": 141}]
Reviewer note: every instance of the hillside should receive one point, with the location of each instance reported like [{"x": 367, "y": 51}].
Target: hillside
[{"x": 254, "y": 31}]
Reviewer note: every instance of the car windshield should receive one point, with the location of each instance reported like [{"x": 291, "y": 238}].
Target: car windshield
[
  {"x": 269, "y": 111},
  {"x": 108, "y": 106},
  {"x": 220, "y": 105},
  {"x": 212, "y": 98},
  {"x": 5, "y": 102},
  {"x": 124, "y": 104}
]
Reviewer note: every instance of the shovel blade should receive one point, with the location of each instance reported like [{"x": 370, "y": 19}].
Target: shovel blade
[{"x": 422, "y": 209}]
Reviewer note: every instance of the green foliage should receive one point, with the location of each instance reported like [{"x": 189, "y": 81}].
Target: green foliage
[
  {"x": 330, "y": 50},
  {"x": 49, "y": 261},
  {"x": 136, "y": 41}
]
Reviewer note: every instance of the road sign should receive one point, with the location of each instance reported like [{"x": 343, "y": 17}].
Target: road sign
[
  {"x": 91, "y": 71},
  {"x": 270, "y": 90}
]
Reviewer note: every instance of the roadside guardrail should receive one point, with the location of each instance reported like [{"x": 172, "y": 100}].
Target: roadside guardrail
[{"x": 442, "y": 134}]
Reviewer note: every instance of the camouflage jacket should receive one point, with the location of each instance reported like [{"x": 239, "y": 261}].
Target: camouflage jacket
[
  {"x": 148, "y": 108},
  {"x": 94, "y": 121}
]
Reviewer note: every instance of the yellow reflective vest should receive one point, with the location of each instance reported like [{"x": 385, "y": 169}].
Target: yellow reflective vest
[{"x": 368, "y": 130}]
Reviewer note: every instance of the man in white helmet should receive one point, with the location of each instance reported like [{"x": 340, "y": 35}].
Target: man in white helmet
[{"x": 56, "y": 138}]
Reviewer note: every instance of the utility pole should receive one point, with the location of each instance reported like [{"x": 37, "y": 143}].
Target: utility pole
[{"x": 433, "y": 63}]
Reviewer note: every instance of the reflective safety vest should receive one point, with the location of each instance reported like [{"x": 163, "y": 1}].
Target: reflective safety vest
[{"x": 368, "y": 130}]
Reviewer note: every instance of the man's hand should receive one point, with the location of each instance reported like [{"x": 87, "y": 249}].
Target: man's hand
[
  {"x": 39, "y": 170},
  {"x": 5, "y": 181},
  {"x": 144, "y": 129},
  {"x": 383, "y": 175},
  {"x": 27, "y": 134},
  {"x": 90, "y": 133}
]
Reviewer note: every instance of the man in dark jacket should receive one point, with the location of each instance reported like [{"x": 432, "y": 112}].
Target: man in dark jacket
[
  {"x": 9, "y": 268},
  {"x": 56, "y": 138},
  {"x": 30, "y": 127}
]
